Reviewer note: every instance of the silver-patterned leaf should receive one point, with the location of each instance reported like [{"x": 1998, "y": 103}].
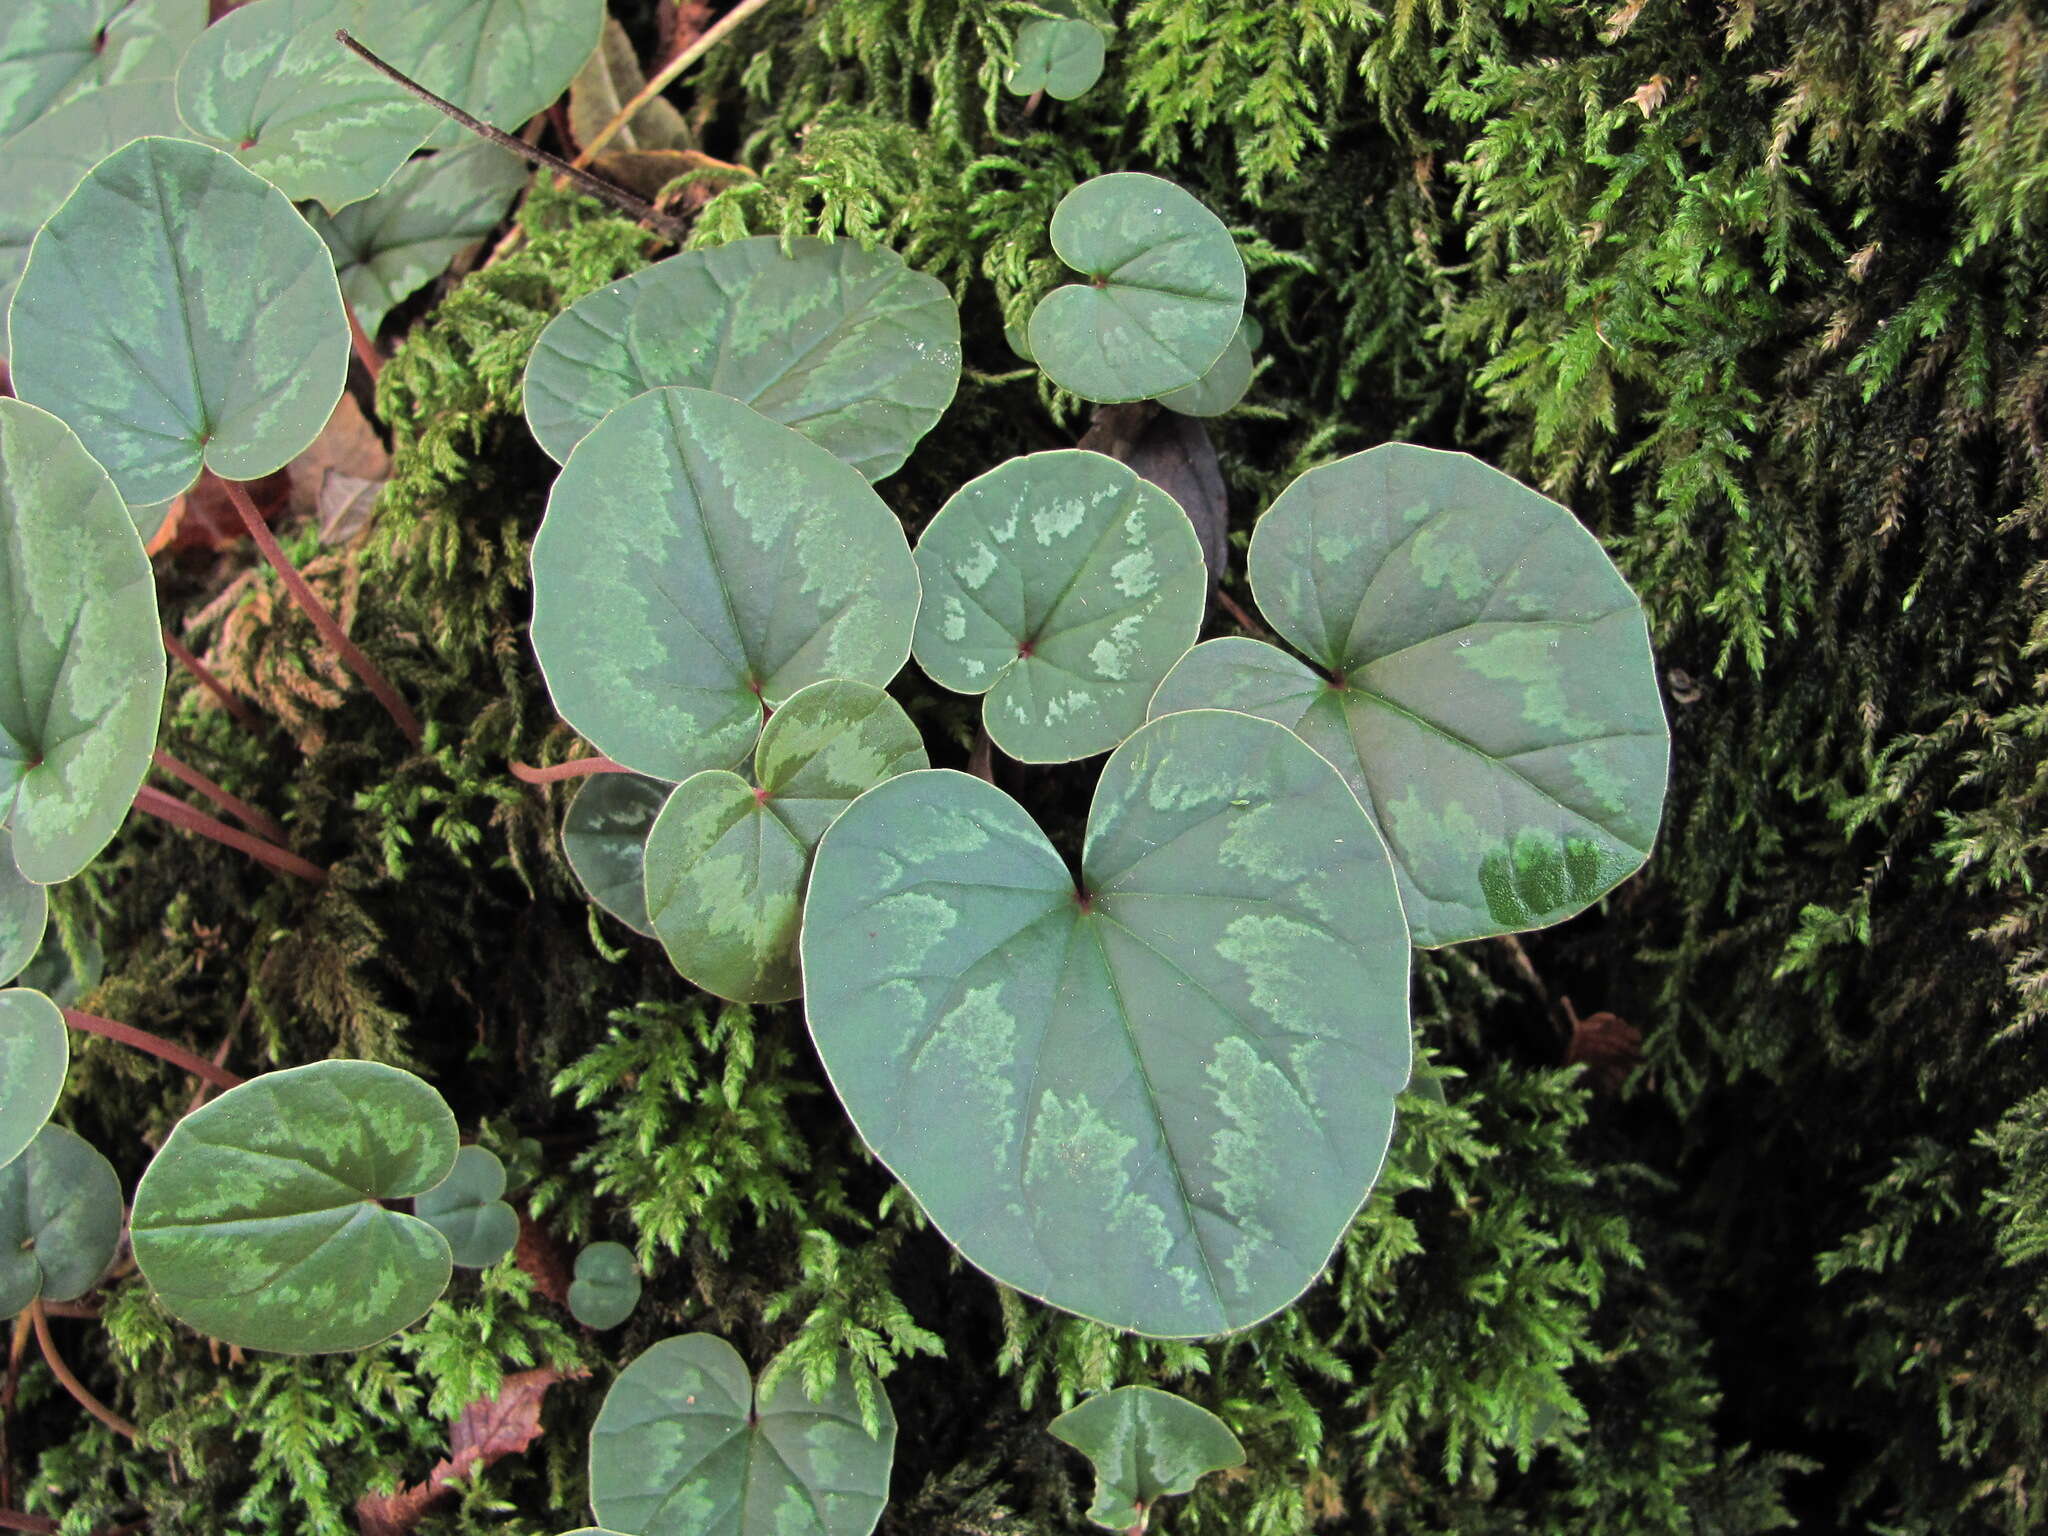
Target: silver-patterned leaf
[
  {"x": 55, "y": 51},
  {"x": 604, "y": 837},
  {"x": 1146, "y": 1445},
  {"x": 502, "y": 61}
]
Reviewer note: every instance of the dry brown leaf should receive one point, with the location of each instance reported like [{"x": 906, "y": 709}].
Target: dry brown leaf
[
  {"x": 682, "y": 23},
  {"x": 204, "y": 518},
  {"x": 647, "y": 171},
  {"x": 611, "y": 79},
  {"x": 537, "y": 1254},
  {"x": 1649, "y": 96},
  {"x": 1175, "y": 453},
  {"x": 331, "y": 476},
  {"x": 1608, "y": 1045}
]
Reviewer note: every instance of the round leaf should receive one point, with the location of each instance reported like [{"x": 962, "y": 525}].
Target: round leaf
[
  {"x": 49, "y": 157},
  {"x": 52, "y": 51},
  {"x": 259, "y": 1222},
  {"x": 1498, "y": 712},
  {"x": 606, "y": 1287},
  {"x": 1146, "y": 1444},
  {"x": 467, "y": 1209},
  {"x": 1064, "y": 587},
  {"x": 84, "y": 685},
  {"x": 1224, "y": 385},
  {"x": 1060, "y": 58},
  {"x": 392, "y": 245},
  {"x": 52, "y": 973},
  {"x": 727, "y": 863},
  {"x": 1157, "y": 1100},
  {"x": 60, "y": 1220},
  {"x": 698, "y": 561},
  {"x": 500, "y": 60},
  {"x": 34, "y": 1051},
  {"x": 24, "y": 913},
  {"x": 683, "y": 1447},
  {"x": 270, "y": 84},
  {"x": 177, "y": 311},
  {"x": 604, "y": 837},
  {"x": 848, "y": 346},
  {"x": 1165, "y": 294}
]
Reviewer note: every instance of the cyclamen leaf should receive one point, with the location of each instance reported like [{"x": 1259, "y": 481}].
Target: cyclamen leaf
[
  {"x": 388, "y": 247},
  {"x": 1061, "y": 58},
  {"x": 684, "y": 1447},
  {"x": 1064, "y": 587},
  {"x": 1165, "y": 294},
  {"x": 60, "y": 1220},
  {"x": 606, "y": 1287},
  {"x": 52, "y": 974},
  {"x": 53, "y": 51},
  {"x": 1145, "y": 1444},
  {"x": 270, "y": 84},
  {"x": 604, "y": 837},
  {"x": 1498, "y": 713},
  {"x": 502, "y": 61},
  {"x": 848, "y": 346},
  {"x": 467, "y": 1208},
  {"x": 1223, "y": 386},
  {"x": 1157, "y": 1099},
  {"x": 259, "y": 1222},
  {"x": 24, "y": 913},
  {"x": 699, "y": 561},
  {"x": 80, "y": 699},
  {"x": 177, "y": 312},
  {"x": 35, "y": 1050},
  {"x": 727, "y": 863}
]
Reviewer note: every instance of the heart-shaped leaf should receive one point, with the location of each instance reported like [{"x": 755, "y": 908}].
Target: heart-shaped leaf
[
  {"x": 606, "y": 1287},
  {"x": 604, "y": 837},
  {"x": 1156, "y": 1099},
  {"x": 683, "y": 1446},
  {"x": 52, "y": 973},
  {"x": 1164, "y": 296},
  {"x": 500, "y": 60},
  {"x": 1487, "y": 686},
  {"x": 1060, "y": 58},
  {"x": 1224, "y": 385},
  {"x": 34, "y": 1052},
  {"x": 1064, "y": 587},
  {"x": 53, "y": 51},
  {"x": 392, "y": 245},
  {"x": 848, "y": 346},
  {"x": 261, "y": 1223},
  {"x": 24, "y": 914},
  {"x": 1146, "y": 1445},
  {"x": 699, "y": 561},
  {"x": 469, "y": 1210},
  {"x": 177, "y": 311},
  {"x": 727, "y": 862},
  {"x": 270, "y": 84},
  {"x": 51, "y": 156},
  {"x": 83, "y": 686},
  {"x": 60, "y": 1220}
]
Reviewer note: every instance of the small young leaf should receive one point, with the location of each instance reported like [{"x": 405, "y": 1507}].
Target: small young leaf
[
  {"x": 60, "y": 1220},
  {"x": 52, "y": 974},
  {"x": 35, "y": 1049},
  {"x": 390, "y": 246},
  {"x": 1156, "y": 1099},
  {"x": 1060, "y": 58},
  {"x": 606, "y": 1287},
  {"x": 175, "y": 312},
  {"x": 503, "y": 61},
  {"x": 262, "y": 1223},
  {"x": 849, "y": 346},
  {"x": 699, "y": 561},
  {"x": 1063, "y": 587},
  {"x": 54, "y": 51},
  {"x": 604, "y": 837},
  {"x": 1146, "y": 1444},
  {"x": 727, "y": 863},
  {"x": 684, "y": 1447},
  {"x": 1223, "y": 386},
  {"x": 1164, "y": 296},
  {"x": 24, "y": 913},
  {"x": 80, "y": 701},
  {"x": 467, "y": 1208}
]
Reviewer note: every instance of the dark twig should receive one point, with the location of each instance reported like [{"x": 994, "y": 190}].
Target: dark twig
[
  {"x": 582, "y": 767},
  {"x": 256, "y": 821},
  {"x": 213, "y": 685},
  {"x": 152, "y": 1045},
  {"x": 155, "y": 802},
  {"x": 71, "y": 1383},
  {"x": 596, "y": 186}
]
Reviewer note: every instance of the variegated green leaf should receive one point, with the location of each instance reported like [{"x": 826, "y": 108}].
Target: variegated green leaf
[
  {"x": 684, "y": 1446},
  {"x": 1146, "y": 1445},
  {"x": 270, "y": 84},
  {"x": 848, "y": 346},
  {"x": 1164, "y": 294},
  {"x": 499, "y": 60},
  {"x": 1487, "y": 688},
  {"x": 698, "y": 562},
  {"x": 53, "y": 973},
  {"x": 83, "y": 686},
  {"x": 177, "y": 311},
  {"x": 606, "y": 1286},
  {"x": 468, "y": 1209},
  {"x": 392, "y": 245},
  {"x": 260, "y": 1222},
  {"x": 1155, "y": 1098},
  {"x": 1224, "y": 385},
  {"x": 55, "y": 51},
  {"x": 35, "y": 1050},
  {"x": 604, "y": 837},
  {"x": 24, "y": 913},
  {"x": 727, "y": 862},
  {"x": 1061, "y": 58},
  {"x": 60, "y": 1220},
  {"x": 51, "y": 156},
  {"x": 1064, "y": 587}
]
